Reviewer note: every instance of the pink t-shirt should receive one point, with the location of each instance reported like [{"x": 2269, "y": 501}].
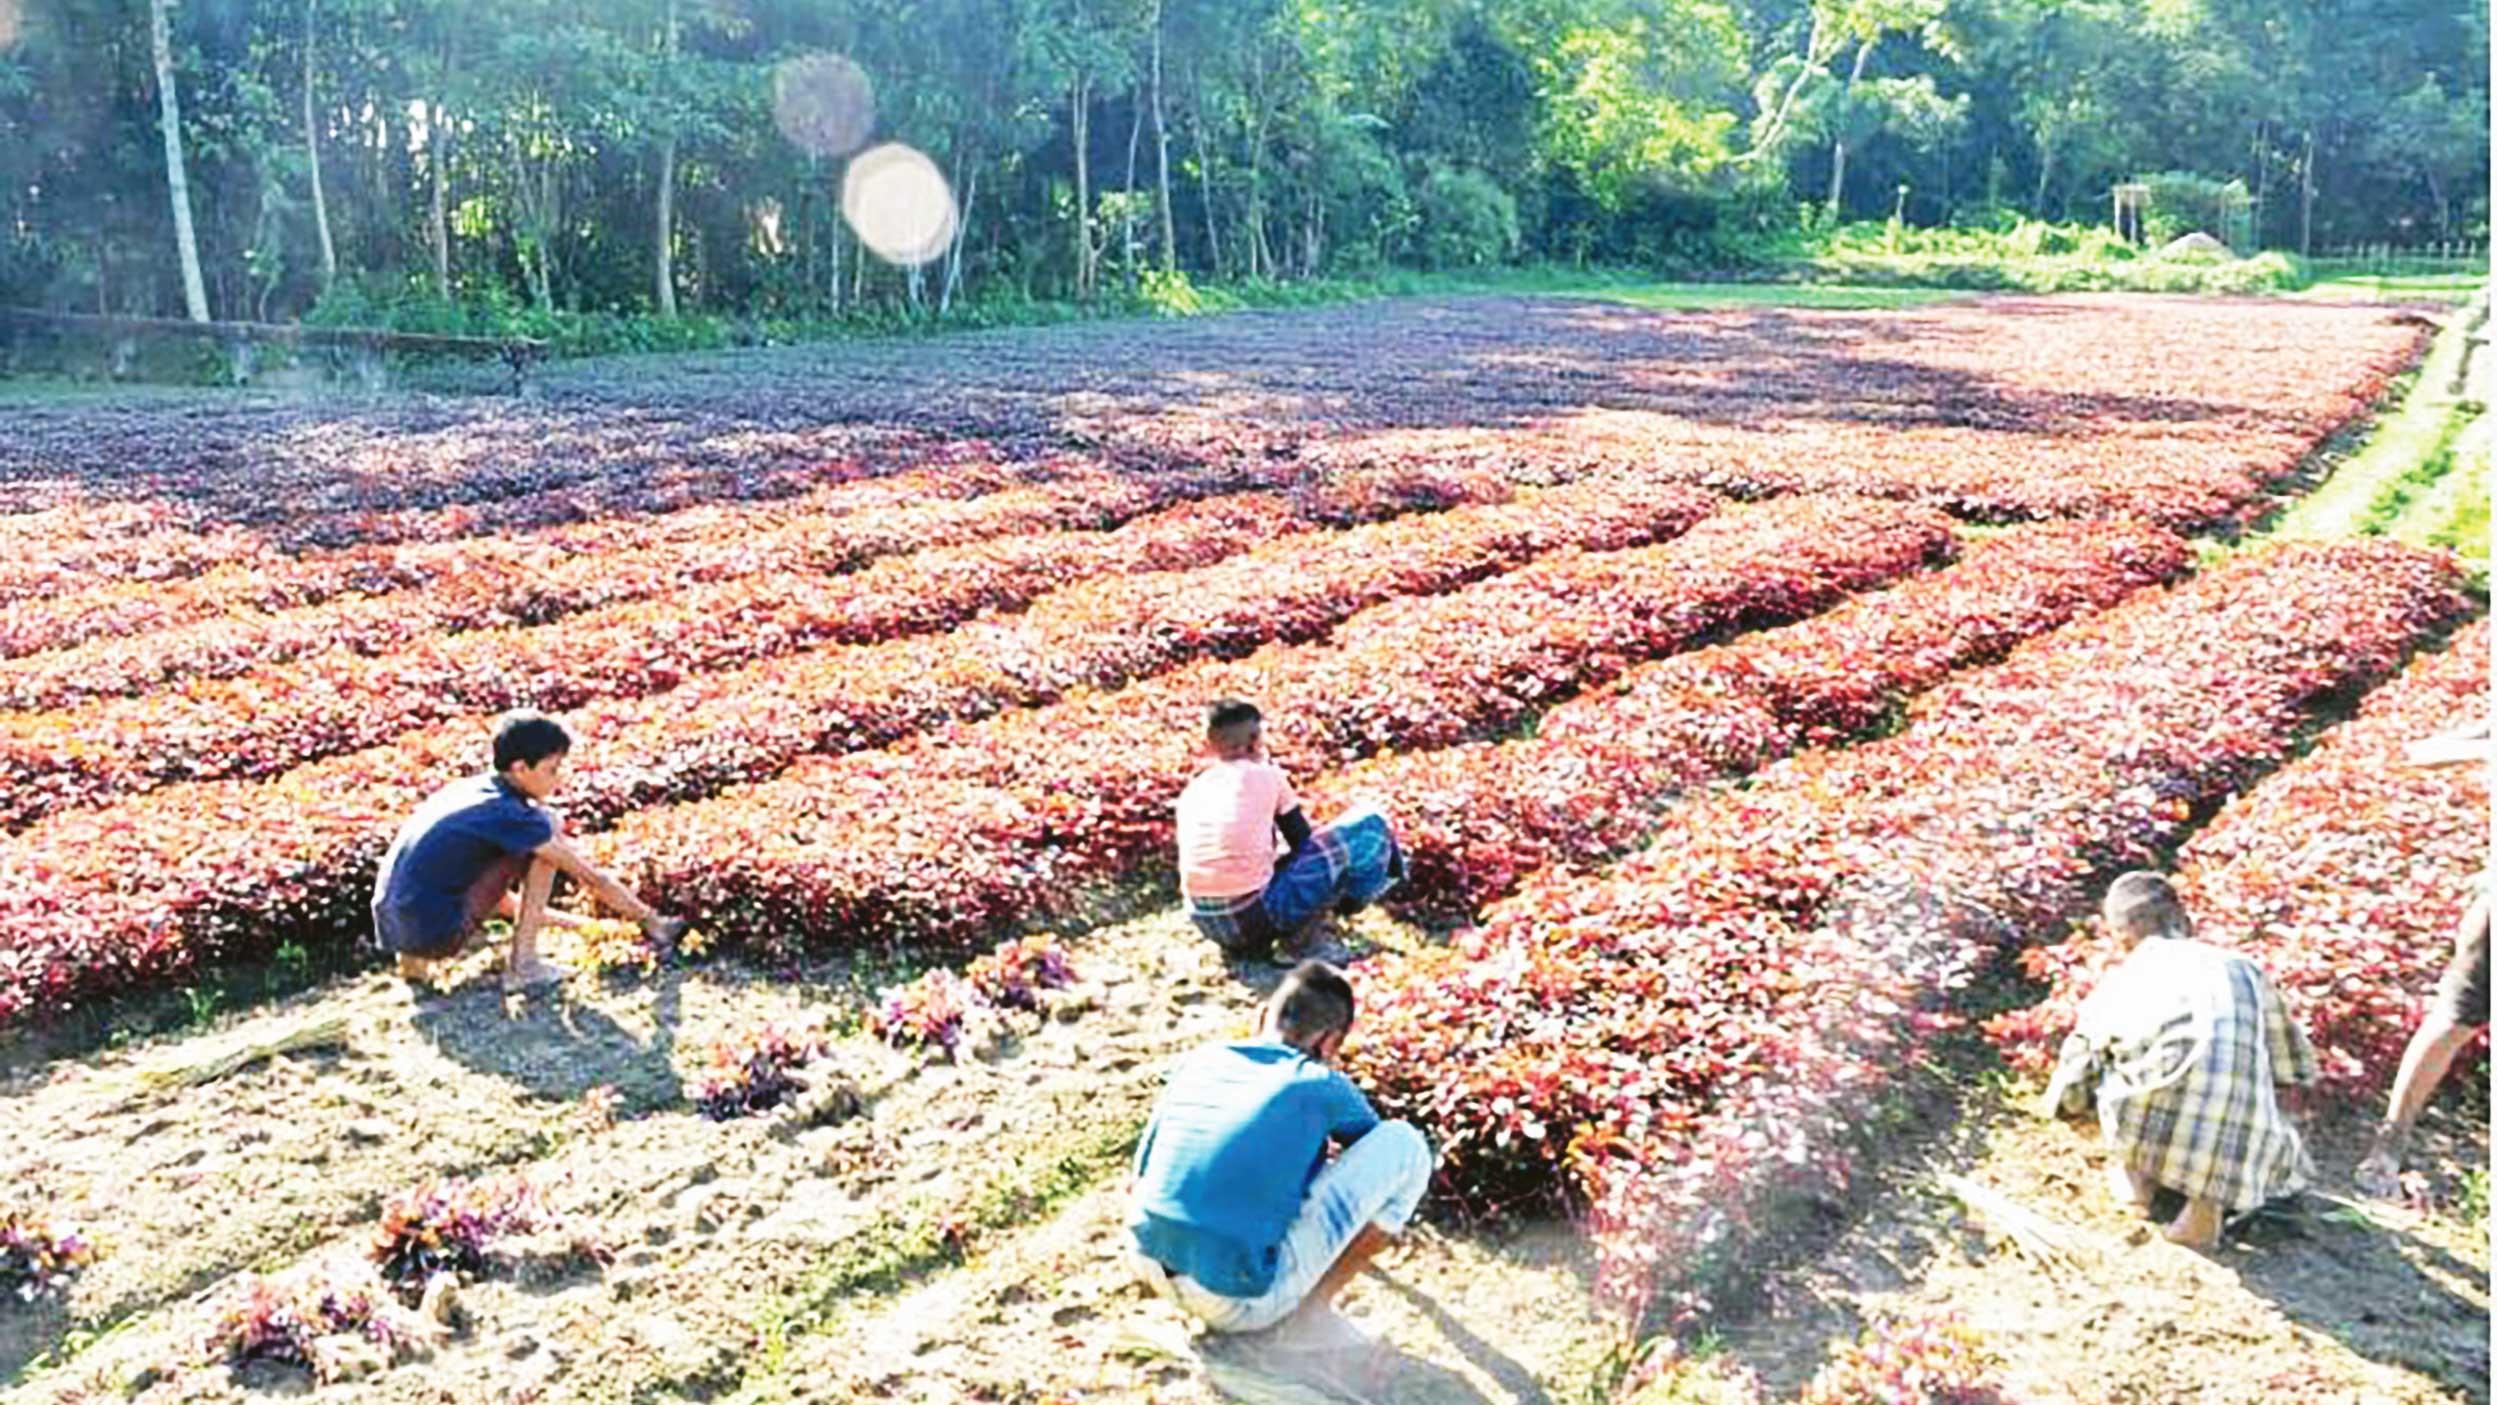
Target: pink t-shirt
[{"x": 1227, "y": 828}]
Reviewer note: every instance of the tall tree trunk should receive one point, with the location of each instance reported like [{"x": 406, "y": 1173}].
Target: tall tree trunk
[
  {"x": 536, "y": 189},
  {"x": 2306, "y": 199},
  {"x": 1079, "y": 121},
  {"x": 438, "y": 160},
  {"x": 1205, "y": 178},
  {"x": 437, "y": 157},
  {"x": 1814, "y": 56},
  {"x": 312, "y": 158},
  {"x": 833, "y": 221},
  {"x": 2263, "y": 178},
  {"x": 1313, "y": 233},
  {"x": 1838, "y": 149},
  {"x": 177, "y": 177},
  {"x": 1161, "y": 151},
  {"x": 962, "y": 230},
  {"x": 1127, "y": 204},
  {"x": 1260, "y": 260},
  {"x": 664, "y": 237}
]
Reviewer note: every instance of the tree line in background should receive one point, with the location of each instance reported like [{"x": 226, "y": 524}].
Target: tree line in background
[{"x": 268, "y": 159}]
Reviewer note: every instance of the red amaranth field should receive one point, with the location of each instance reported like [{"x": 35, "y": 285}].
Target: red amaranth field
[{"x": 1725, "y": 748}]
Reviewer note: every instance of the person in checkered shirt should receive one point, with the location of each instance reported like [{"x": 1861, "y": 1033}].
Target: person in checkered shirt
[{"x": 2184, "y": 1048}]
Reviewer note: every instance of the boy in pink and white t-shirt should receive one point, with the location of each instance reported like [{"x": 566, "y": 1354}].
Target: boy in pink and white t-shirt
[{"x": 1240, "y": 891}]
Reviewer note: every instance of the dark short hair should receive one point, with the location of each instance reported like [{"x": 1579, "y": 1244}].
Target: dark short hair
[
  {"x": 2144, "y": 904},
  {"x": 1314, "y": 1000},
  {"x": 527, "y": 737},
  {"x": 1227, "y": 718}
]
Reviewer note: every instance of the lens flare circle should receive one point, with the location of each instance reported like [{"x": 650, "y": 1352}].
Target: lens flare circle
[
  {"x": 823, "y": 103},
  {"x": 899, "y": 204}
]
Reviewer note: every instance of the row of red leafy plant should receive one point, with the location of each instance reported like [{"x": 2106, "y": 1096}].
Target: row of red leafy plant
[
  {"x": 125, "y": 499},
  {"x": 1672, "y": 1041},
  {"x": 2188, "y": 417},
  {"x": 136, "y": 892},
  {"x": 124, "y": 637},
  {"x": 2343, "y": 874},
  {"x": 1021, "y": 817},
  {"x": 1015, "y": 546},
  {"x": 708, "y": 561},
  {"x": 2199, "y": 432},
  {"x": 1475, "y": 819}
]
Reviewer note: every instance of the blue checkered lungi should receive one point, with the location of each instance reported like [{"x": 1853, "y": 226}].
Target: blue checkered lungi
[{"x": 1355, "y": 860}]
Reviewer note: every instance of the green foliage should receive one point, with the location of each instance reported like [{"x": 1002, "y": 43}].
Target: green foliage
[
  {"x": 1467, "y": 220},
  {"x": 1298, "y": 143},
  {"x": 2030, "y": 256},
  {"x": 2058, "y": 274},
  {"x": 2471, "y": 1203},
  {"x": 2024, "y": 239},
  {"x": 2182, "y": 202}
]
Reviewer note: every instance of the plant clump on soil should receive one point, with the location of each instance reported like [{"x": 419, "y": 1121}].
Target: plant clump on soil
[
  {"x": 1916, "y": 1361},
  {"x": 452, "y": 1226},
  {"x": 937, "y": 1011},
  {"x": 1013, "y": 976},
  {"x": 755, "y": 1071},
  {"x": 300, "y": 1320},
  {"x": 38, "y": 1259}
]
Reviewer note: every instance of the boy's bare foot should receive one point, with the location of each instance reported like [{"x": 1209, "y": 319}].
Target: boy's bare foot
[
  {"x": 2198, "y": 1227},
  {"x": 416, "y": 970},
  {"x": 664, "y": 933},
  {"x": 1318, "y": 941},
  {"x": 535, "y": 976},
  {"x": 2380, "y": 1175},
  {"x": 2131, "y": 1189}
]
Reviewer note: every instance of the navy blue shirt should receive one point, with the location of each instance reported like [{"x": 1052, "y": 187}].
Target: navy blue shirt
[
  {"x": 420, "y": 899},
  {"x": 1239, "y": 1134}
]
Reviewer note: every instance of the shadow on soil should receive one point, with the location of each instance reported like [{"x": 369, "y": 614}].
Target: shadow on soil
[
  {"x": 557, "y": 1047},
  {"x": 1271, "y": 1368},
  {"x": 28, "y": 1331},
  {"x": 2365, "y": 1285},
  {"x": 1514, "y": 1378}
]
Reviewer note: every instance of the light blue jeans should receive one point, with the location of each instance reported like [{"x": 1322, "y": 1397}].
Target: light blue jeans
[{"x": 1377, "y": 1180}]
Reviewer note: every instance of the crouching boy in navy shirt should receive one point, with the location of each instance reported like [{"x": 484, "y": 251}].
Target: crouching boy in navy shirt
[
  {"x": 488, "y": 845},
  {"x": 1239, "y": 1217}
]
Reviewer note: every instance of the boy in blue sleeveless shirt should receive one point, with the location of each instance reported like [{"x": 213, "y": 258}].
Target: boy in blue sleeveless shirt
[
  {"x": 487, "y": 845},
  {"x": 1239, "y": 1217}
]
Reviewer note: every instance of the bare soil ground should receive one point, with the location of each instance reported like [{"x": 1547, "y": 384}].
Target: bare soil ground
[{"x": 957, "y": 1240}]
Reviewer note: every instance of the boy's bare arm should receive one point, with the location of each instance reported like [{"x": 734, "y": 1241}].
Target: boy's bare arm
[{"x": 570, "y": 861}]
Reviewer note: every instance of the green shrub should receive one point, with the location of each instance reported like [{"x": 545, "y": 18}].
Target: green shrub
[
  {"x": 1467, "y": 220},
  {"x": 2182, "y": 202}
]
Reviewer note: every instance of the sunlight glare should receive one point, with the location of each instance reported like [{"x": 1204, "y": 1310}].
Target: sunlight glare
[
  {"x": 823, "y": 103},
  {"x": 899, "y": 204}
]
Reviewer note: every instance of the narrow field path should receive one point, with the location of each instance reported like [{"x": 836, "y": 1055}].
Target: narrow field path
[{"x": 2345, "y": 1301}]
